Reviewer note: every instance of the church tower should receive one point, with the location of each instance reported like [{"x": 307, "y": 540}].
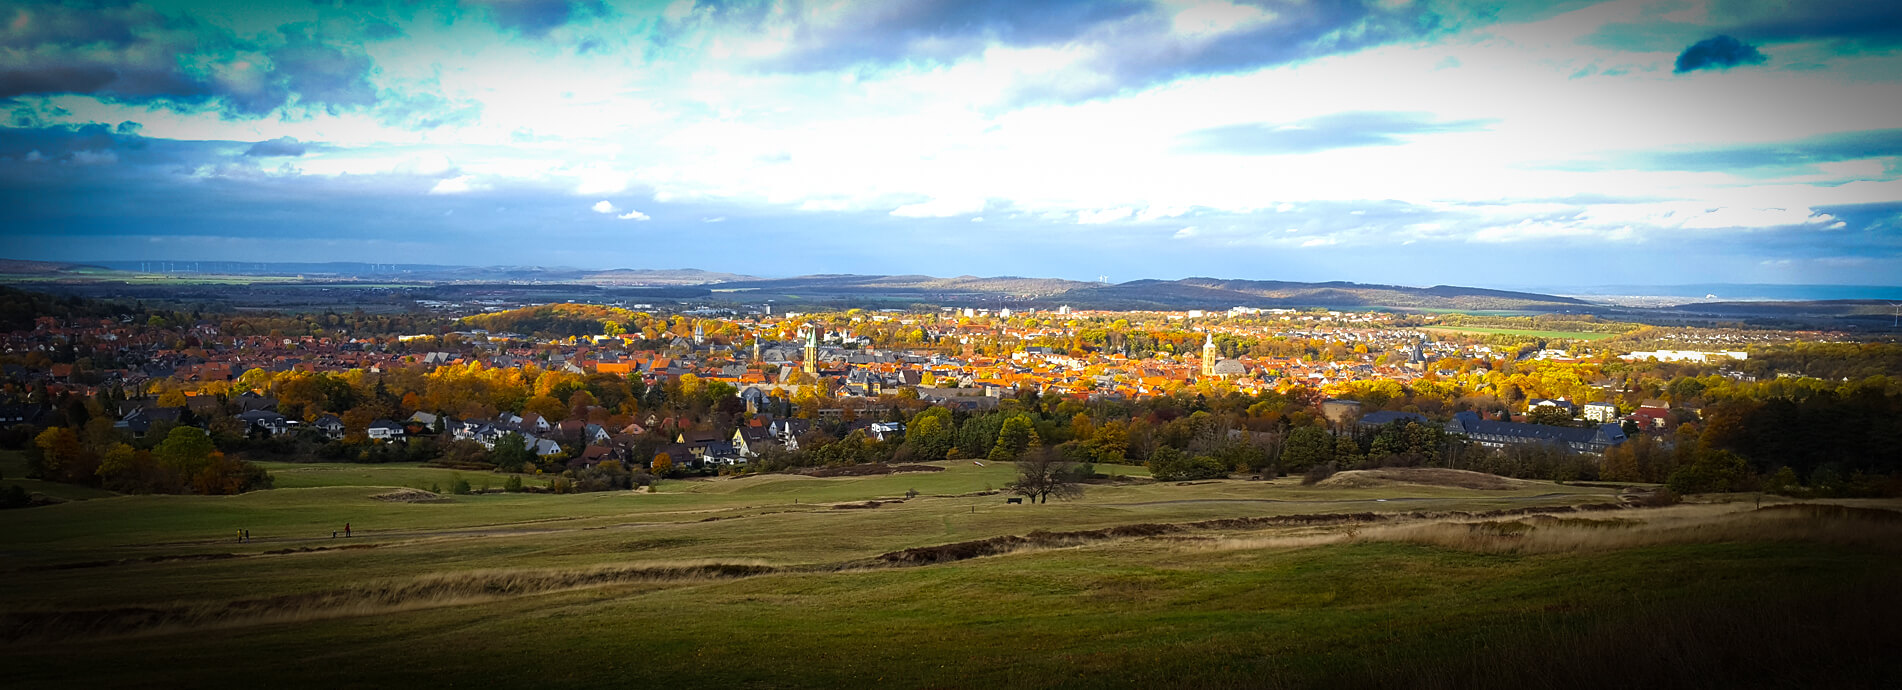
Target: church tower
[
  {"x": 1208, "y": 356},
  {"x": 812, "y": 348},
  {"x": 755, "y": 348},
  {"x": 699, "y": 334}
]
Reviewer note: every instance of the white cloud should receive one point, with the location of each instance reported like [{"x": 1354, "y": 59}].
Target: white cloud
[
  {"x": 1205, "y": 19},
  {"x": 632, "y": 215},
  {"x": 603, "y": 206},
  {"x": 1159, "y": 212},
  {"x": 600, "y": 180},
  {"x": 94, "y": 157},
  {"x": 940, "y": 208},
  {"x": 1098, "y": 217},
  {"x": 1186, "y": 233},
  {"x": 454, "y": 185},
  {"x": 429, "y": 164},
  {"x": 1318, "y": 242}
]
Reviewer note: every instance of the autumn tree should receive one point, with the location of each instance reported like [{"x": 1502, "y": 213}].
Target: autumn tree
[
  {"x": 61, "y": 457},
  {"x": 1109, "y": 443}
]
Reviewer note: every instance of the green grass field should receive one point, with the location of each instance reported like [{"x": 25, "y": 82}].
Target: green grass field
[
  {"x": 761, "y": 582},
  {"x": 1552, "y": 335}
]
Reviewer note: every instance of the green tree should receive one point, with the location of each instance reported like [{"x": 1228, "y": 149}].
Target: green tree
[
  {"x": 1713, "y": 471},
  {"x": 1170, "y": 465},
  {"x": 930, "y": 434},
  {"x": 1549, "y": 415},
  {"x": 1306, "y": 447},
  {"x": 1017, "y": 435},
  {"x": 511, "y": 453},
  {"x": 184, "y": 452}
]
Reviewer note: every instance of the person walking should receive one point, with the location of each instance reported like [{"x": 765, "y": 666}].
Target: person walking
[{"x": 346, "y": 530}]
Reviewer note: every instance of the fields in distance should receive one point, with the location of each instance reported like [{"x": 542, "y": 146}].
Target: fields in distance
[{"x": 784, "y": 581}]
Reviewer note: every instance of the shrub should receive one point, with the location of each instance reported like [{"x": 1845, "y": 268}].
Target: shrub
[
  {"x": 1171, "y": 465},
  {"x": 460, "y": 487},
  {"x": 15, "y": 497},
  {"x": 1319, "y": 472},
  {"x": 513, "y": 485},
  {"x": 1659, "y": 499}
]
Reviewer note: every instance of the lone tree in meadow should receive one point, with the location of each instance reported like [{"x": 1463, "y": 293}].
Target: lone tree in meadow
[{"x": 1044, "y": 472}]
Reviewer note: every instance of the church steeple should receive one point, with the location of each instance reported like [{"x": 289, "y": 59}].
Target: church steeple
[
  {"x": 1208, "y": 355},
  {"x": 812, "y": 348}
]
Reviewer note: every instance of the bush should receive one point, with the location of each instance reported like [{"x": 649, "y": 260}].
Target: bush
[
  {"x": 1659, "y": 499},
  {"x": 15, "y": 497},
  {"x": 460, "y": 487},
  {"x": 1319, "y": 472},
  {"x": 1171, "y": 465},
  {"x": 513, "y": 485}
]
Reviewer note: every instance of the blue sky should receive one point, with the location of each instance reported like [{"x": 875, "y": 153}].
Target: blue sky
[{"x": 1480, "y": 143}]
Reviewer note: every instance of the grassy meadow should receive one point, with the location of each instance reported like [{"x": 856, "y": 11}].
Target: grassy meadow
[{"x": 784, "y": 581}]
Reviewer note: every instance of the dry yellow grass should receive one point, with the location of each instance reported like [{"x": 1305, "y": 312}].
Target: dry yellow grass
[
  {"x": 1699, "y": 524},
  {"x": 1421, "y": 476},
  {"x": 1576, "y": 532},
  {"x": 445, "y": 589}
]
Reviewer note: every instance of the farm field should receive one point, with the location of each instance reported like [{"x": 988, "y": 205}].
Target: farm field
[
  {"x": 784, "y": 581},
  {"x": 1566, "y": 335}
]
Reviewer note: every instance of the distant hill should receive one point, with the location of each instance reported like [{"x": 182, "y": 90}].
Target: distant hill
[
  {"x": 678, "y": 276},
  {"x": 912, "y": 285},
  {"x": 1188, "y": 293},
  {"x": 616, "y": 276},
  {"x": 410, "y": 273},
  {"x": 852, "y": 289},
  {"x": 24, "y": 267}
]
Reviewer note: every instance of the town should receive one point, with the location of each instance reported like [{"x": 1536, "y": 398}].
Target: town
[{"x": 556, "y": 390}]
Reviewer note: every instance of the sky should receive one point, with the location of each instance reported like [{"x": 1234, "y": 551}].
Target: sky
[{"x": 1415, "y": 142}]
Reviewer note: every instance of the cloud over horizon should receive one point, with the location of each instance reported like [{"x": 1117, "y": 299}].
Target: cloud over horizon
[{"x": 1251, "y": 138}]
